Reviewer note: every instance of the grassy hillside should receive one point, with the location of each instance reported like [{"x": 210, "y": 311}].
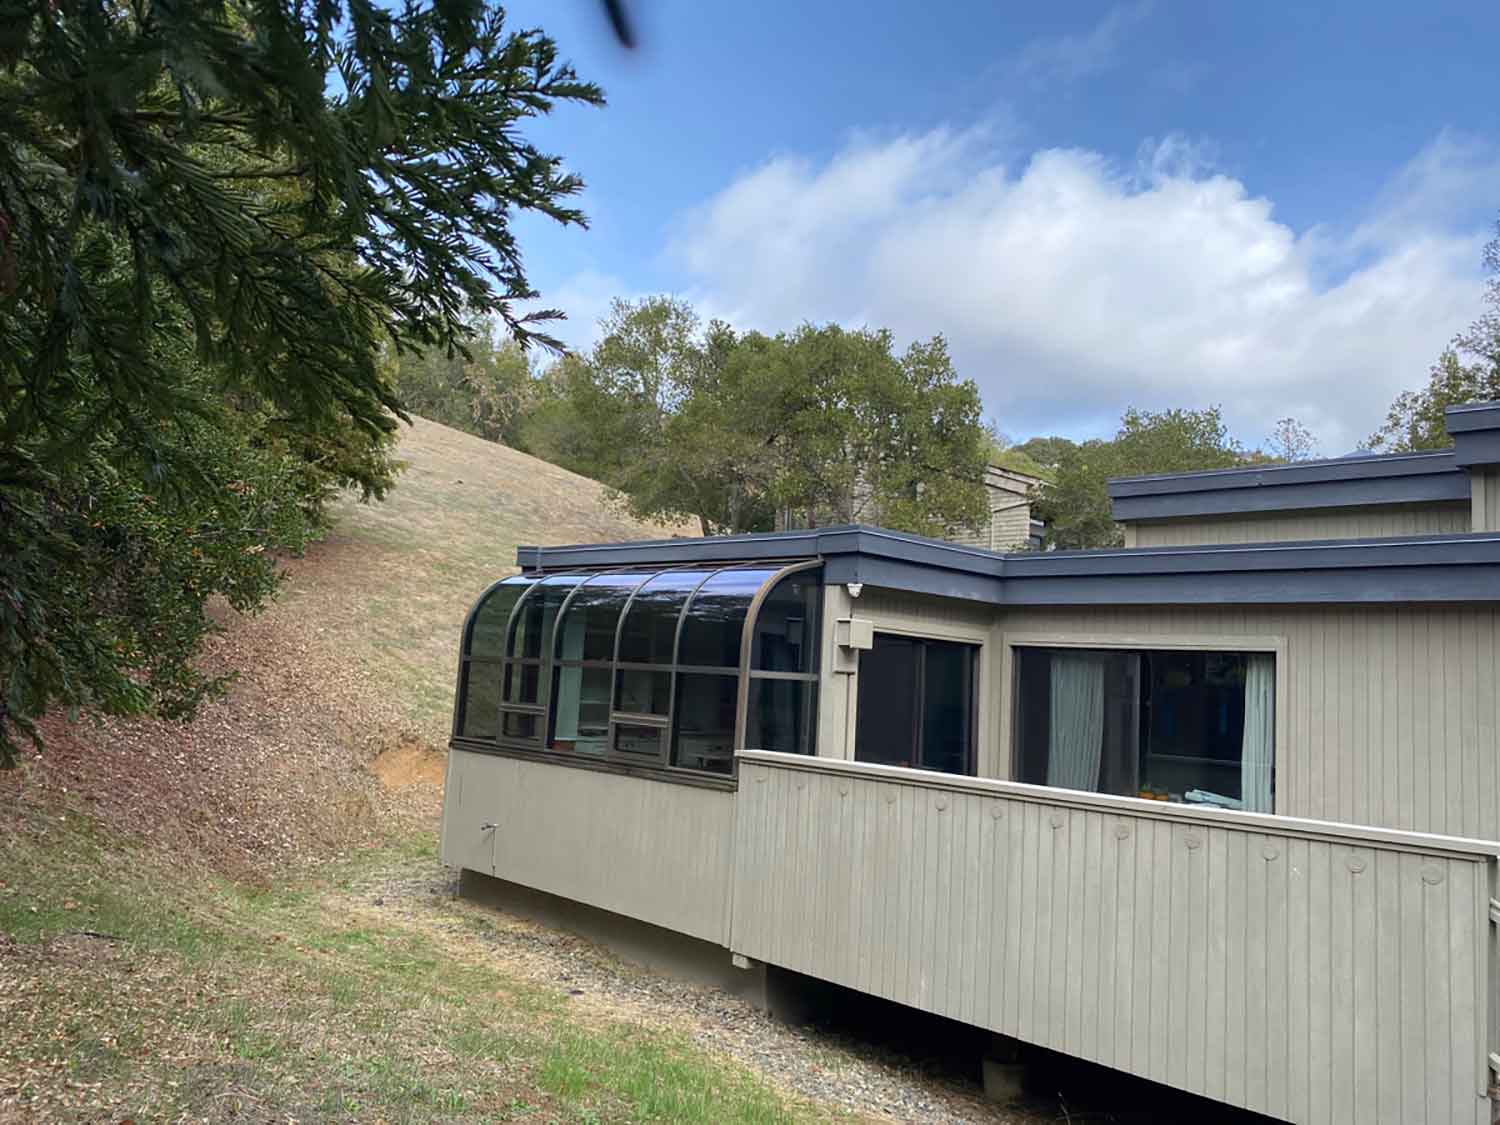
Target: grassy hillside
[{"x": 243, "y": 919}]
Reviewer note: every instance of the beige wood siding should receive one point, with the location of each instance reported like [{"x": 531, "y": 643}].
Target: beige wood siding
[
  {"x": 652, "y": 851},
  {"x": 1386, "y": 715},
  {"x": 1271, "y": 527},
  {"x": 1318, "y": 976},
  {"x": 1484, "y": 495}
]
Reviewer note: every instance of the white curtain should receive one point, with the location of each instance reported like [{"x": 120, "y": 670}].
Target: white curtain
[
  {"x": 1075, "y": 738},
  {"x": 1256, "y": 755}
]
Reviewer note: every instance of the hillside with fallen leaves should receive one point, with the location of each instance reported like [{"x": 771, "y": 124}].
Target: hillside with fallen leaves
[
  {"x": 336, "y": 725},
  {"x": 344, "y": 681}
]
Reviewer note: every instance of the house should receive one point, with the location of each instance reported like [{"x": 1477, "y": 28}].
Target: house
[
  {"x": 1220, "y": 808},
  {"x": 1007, "y": 494},
  {"x": 1008, "y": 526}
]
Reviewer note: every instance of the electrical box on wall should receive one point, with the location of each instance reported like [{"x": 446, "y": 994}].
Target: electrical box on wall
[{"x": 851, "y": 636}]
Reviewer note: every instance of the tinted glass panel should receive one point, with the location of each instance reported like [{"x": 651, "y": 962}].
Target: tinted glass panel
[
  {"x": 643, "y": 693},
  {"x": 1196, "y": 727},
  {"x": 947, "y": 703},
  {"x": 786, "y": 629},
  {"x": 486, "y": 638},
  {"x": 716, "y": 618},
  {"x": 782, "y": 715},
  {"x": 643, "y": 741},
  {"x": 885, "y": 730},
  {"x": 703, "y": 733},
  {"x": 587, "y": 631},
  {"x": 650, "y": 626},
  {"x": 581, "y": 711},
  {"x": 514, "y": 724},
  {"x": 481, "y": 700},
  {"x": 522, "y": 682},
  {"x": 537, "y": 612}
]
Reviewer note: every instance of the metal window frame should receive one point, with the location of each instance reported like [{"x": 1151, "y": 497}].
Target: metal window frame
[{"x": 549, "y": 663}]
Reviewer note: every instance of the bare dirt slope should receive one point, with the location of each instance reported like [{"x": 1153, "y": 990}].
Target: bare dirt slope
[{"x": 353, "y": 663}]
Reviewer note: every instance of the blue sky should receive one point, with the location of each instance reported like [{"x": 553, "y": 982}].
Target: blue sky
[{"x": 1271, "y": 207}]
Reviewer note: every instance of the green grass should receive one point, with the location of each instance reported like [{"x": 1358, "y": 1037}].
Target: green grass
[{"x": 281, "y": 1002}]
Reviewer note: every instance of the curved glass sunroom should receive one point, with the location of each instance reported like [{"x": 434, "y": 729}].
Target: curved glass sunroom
[{"x": 667, "y": 667}]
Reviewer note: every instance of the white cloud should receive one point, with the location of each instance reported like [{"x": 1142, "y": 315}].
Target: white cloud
[
  {"x": 1068, "y": 58},
  {"x": 1069, "y": 287}
]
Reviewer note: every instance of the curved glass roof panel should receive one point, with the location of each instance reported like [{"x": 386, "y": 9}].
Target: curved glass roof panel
[
  {"x": 586, "y": 630},
  {"x": 534, "y": 617},
  {"x": 649, "y": 631},
  {"x": 786, "y": 628},
  {"x": 715, "y": 619},
  {"x": 486, "y": 635}
]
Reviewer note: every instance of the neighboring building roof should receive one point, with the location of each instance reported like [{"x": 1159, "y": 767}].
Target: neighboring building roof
[
  {"x": 1356, "y": 481},
  {"x": 1475, "y": 429},
  {"x": 1434, "y": 568},
  {"x": 1344, "y": 482}
]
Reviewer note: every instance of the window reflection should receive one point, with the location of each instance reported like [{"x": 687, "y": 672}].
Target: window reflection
[
  {"x": 650, "y": 627},
  {"x": 480, "y": 695},
  {"x": 782, "y": 715},
  {"x": 587, "y": 630},
  {"x": 537, "y": 613},
  {"x": 786, "y": 639},
  {"x": 486, "y": 640},
  {"x": 715, "y": 619},
  {"x": 703, "y": 730},
  {"x": 643, "y": 692}
]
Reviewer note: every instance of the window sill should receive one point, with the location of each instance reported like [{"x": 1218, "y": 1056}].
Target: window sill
[{"x": 667, "y": 774}]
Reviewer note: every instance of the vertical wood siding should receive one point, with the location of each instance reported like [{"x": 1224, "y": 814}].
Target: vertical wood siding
[
  {"x": 1271, "y": 527},
  {"x": 1391, "y": 714},
  {"x": 1484, "y": 486},
  {"x": 1314, "y": 979},
  {"x": 652, "y": 851}
]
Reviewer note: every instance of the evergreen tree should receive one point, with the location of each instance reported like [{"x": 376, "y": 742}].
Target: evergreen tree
[{"x": 215, "y": 217}]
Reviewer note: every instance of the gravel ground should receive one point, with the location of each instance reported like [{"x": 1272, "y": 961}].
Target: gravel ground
[{"x": 851, "y": 1078}]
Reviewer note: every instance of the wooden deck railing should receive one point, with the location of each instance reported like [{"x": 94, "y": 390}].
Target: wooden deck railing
[{"x": 1312, "y": 971}]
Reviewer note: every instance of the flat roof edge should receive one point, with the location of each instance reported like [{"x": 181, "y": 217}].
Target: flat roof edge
[{"x": 1431, "y": 568}]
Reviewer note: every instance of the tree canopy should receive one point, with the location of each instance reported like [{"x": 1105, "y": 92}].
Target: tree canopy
[
  {"x": 815, "y": 426},
  {"x": 216, "y": 218},
  {"x": 1075, "y": 505}
]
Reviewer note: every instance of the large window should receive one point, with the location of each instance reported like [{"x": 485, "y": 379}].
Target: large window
[
  {"x": 663, "y": 667},
  {"x": 916, "y": 704},
  {"x": 1186, "y": 726}
]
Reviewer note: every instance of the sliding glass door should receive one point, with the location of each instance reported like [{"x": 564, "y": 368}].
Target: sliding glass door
[{"x": 916, "y": 704}]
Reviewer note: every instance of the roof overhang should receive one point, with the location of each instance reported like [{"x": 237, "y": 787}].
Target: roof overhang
[
  {"x": 1475, "y": 429},
  {"x": 1407, "y": 478},
  {"x": 1434, "y": 568}
]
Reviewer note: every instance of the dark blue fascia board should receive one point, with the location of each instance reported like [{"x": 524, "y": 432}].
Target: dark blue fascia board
[
  {"x": 1406, "y": 478},
  {"x": 1276, "y": 476},
  {"x": 1433, "y": 488},
  {"x": 1475, "y": 428},
  {"x": 1434, "y": 568},
  {"x": 1472, "y": 416},
  {"x": 826, "y": 543}
]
